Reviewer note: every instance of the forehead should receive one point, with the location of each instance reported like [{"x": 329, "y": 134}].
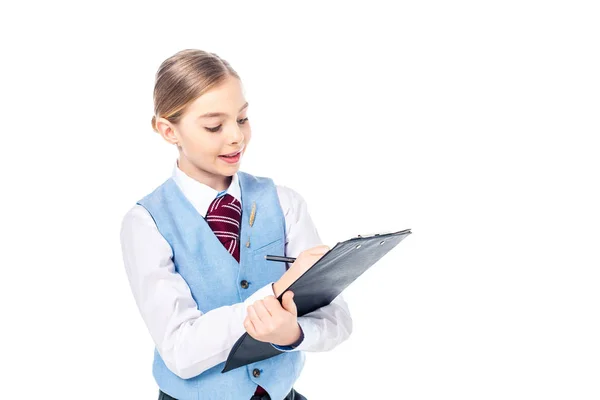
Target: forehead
[{"x": 226, "y": 97}]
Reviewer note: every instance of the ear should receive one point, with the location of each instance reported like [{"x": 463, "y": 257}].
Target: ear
[{"x": 167, "y": 131}]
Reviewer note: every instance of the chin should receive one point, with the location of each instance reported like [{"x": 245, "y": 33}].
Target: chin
[
  {"x": 234, "y": 170},
  {"x": 229, "y": 170}
]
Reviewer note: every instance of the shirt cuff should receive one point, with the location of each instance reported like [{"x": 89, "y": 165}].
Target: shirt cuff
[
  {"x": 292, "y": 346},
  {"x": 311, "y": 334}
]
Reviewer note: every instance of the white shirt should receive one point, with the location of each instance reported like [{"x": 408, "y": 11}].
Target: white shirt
[{"x": 188, "y": 340}]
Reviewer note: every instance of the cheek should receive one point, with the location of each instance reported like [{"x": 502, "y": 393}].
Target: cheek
[
  {"x": 200, "y": 146},
  {"x": 247, "y": 134}
]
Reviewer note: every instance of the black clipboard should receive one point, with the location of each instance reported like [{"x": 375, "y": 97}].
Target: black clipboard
[{"x": 319, "y": 286}]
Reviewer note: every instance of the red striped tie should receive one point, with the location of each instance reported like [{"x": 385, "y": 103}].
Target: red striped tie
[{"x": 224, "y": 216}]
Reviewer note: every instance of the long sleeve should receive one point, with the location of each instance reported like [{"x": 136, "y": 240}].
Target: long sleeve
[
  {"x": 188, "y": 340},
  {"x": 327, "y": 327}
]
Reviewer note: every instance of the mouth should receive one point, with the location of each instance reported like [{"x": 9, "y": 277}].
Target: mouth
[
  {"x": 235, "y": 153},
  {"x": 232, "y": 158}
]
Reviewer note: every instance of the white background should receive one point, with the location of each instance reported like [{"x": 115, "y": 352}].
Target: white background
[{"x": 473, "y": 123}]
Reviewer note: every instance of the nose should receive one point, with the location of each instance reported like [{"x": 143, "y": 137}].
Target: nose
[{"x": 236, "y": 135}]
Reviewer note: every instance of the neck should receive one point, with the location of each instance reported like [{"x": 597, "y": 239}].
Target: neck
[{"x": 215, "y": 181}]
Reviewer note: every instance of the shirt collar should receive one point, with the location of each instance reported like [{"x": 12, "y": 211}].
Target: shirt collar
[{"x": 201, "y": 195}]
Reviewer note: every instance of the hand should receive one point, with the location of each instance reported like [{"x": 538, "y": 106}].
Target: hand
[
  {"x": 270, "y": 321},
  {"x": 303, "y": 263}
]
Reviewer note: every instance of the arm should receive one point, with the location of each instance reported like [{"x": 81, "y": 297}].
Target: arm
[
  {"x": 327, "y": 327},
  {"x": 188, "y": 340}
]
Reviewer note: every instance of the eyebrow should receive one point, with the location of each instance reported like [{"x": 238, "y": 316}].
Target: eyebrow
[{"x": 220, "y": 114}]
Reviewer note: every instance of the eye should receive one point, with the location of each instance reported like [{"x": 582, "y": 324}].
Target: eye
[{"x": 217, "y": 128}]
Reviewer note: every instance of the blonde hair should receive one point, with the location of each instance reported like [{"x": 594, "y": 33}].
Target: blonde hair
[{"x": 184, "y": 77}]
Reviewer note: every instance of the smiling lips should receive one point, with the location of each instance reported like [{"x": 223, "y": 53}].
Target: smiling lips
[
  {"x": 234, "y": 158},
  {"x": 232, "y": 154}
]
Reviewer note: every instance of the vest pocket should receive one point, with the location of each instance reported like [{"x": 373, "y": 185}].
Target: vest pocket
[{"x": 266, "y": 247}]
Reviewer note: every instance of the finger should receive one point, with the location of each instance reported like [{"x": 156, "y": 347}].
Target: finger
[
  {"x": 261, "y": 311},
  {"x": 249, "y": 326},
  {"x": 288, "y": 303},
  {"x": 314, "y": 253},
  {"x": 272, "y": 305},
  {"x": 318, "y": 250},
  {"x": 253, "y": 316}
]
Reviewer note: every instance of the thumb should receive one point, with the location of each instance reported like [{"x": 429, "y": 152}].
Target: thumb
[{"x": 288, "y": 303}]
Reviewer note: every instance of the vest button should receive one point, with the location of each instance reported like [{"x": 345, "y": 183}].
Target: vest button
[
  {"x": 256, "y": 373},
  {"x": 244, "y": 284}
]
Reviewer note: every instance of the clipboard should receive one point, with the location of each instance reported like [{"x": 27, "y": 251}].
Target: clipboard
[{"x": 319, "y": 286}]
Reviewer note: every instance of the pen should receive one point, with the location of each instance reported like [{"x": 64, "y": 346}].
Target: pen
[{"x": 280, "y": 258}]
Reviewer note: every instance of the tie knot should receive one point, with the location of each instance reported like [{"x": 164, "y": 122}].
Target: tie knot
[
  {"x": 224, "y": 214},
  {"x": 225, "y": 205}
]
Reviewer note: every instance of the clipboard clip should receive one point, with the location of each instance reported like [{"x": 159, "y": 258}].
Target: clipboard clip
[
  {"x": 368, "y": 235},
  {"x": 382, "y": 233}
]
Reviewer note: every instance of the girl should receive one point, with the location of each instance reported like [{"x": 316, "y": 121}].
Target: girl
[{"x": 194, "y": 248}]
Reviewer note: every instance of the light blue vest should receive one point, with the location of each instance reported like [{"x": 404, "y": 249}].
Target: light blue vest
[{"x": 214, "y": 277}]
